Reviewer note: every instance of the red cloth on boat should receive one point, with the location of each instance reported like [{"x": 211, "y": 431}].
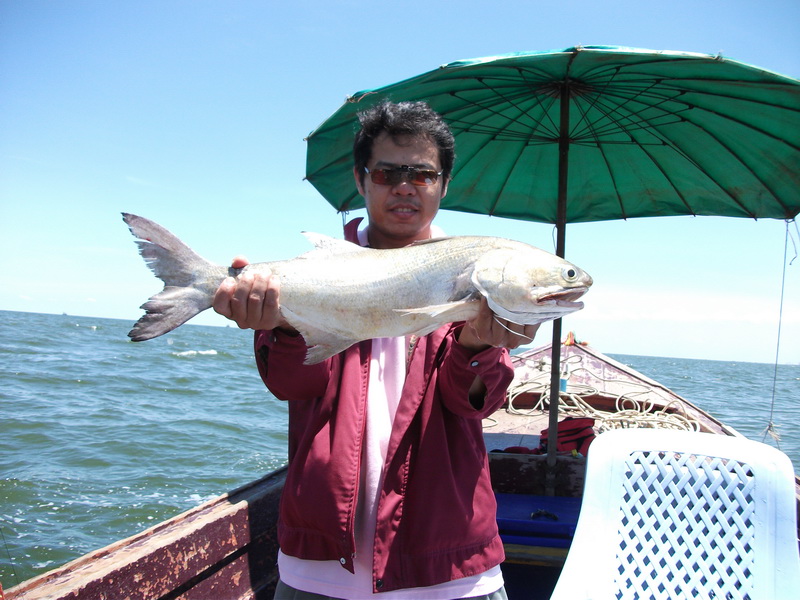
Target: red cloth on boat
[{"x": 437, "y": 511}]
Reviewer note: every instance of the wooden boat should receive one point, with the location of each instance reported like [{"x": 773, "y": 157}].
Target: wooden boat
[{"x": 226, "y": 548}]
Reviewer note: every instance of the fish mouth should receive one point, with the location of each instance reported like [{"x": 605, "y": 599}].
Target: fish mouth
[{"x": 564, "y": 298}]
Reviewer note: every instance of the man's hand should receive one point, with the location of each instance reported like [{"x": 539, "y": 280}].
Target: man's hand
[
  {"x": 487, "y": 329},
  {"x": 252, "y": 300}
]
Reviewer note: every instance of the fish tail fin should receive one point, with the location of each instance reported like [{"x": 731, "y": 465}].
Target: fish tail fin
[{"x": 189, "y": 280}]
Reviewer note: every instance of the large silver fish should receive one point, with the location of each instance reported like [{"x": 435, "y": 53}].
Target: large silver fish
[{"x": 340, "y": 293}]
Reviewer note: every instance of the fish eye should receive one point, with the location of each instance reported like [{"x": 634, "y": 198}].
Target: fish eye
[{"x": 570, "y": 273}]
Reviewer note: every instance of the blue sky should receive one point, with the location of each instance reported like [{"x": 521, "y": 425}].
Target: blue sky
[{"x": 193, "y": 114}]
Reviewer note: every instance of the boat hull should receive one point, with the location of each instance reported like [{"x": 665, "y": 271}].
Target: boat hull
[{"x": 227, "y": 548}]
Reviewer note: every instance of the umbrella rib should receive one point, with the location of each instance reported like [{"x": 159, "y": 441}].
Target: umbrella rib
[
  {"x": 599, "y": 72},
  {"x": 599, "y": 145},
  {"x": 736, "y": 156},
  {"x": 672, "y": 84},
  {"x": 496, "y": 200},
  {"x": 623, "y": 122},
  {"x": 539, "y": 101},
  {"x": 609, "y": 86},
  {"x": 495, "y": 132},
  {"x": 674, "y": 187},
  {"x": 633, "y": 119},
  {"x": 689, "y": 107},
  {"x": 651, "y": 91},
  {"x": 487, "y": 105},
  {"x": 667, "y": 141},
  {"x": 610, "y": 115},
  {"x": 642, "y": 125},
  {"x": 686, "y": 124},
  {"x": 597, "y": 94},
  {"x": 744, "y": 165}
]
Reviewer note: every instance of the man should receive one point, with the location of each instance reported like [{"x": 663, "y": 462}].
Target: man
[{"x": 388, "y": 492}]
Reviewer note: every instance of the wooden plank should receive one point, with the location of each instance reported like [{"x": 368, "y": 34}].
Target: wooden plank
[
  {"x": 238, "y": 580},
  {"x": 229, "y": 533}
]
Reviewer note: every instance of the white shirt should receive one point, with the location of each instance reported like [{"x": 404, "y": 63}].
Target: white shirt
[{"x": 386, "y": 377}]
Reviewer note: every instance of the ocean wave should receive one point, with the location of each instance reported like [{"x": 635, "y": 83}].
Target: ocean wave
[{"x": 191, "y": 353}]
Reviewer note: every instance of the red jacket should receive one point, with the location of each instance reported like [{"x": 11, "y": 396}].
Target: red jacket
[{"x": 437, "y": 511}]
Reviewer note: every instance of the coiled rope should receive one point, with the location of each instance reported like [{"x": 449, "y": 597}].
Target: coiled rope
[{"x": 634, "y": 408}]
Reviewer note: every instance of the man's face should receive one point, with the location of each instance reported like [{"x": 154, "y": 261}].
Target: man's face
[{"x": 401, "y": 213}]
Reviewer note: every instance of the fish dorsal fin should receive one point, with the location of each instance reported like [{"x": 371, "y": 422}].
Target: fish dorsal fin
[
  {"x": 460, "y": 310},
  {"x": 324, "y": 244}
]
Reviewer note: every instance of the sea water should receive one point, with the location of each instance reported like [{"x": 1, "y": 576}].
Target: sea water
[{"x": 101, "y": 437}]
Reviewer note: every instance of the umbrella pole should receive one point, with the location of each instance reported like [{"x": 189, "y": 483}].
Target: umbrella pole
[{"x": 561, "y": 231}]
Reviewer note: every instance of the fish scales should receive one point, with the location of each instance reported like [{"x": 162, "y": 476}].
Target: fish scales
[
  {"x": 339, "y": 293},
  {"x": 362, "y": 295}
]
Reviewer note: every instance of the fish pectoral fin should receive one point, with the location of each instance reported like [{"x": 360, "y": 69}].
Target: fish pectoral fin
[
  {"x": 321, "y": 344},
  {"x": 449, "y": 312},
  {"x": 319, "y": 352}
]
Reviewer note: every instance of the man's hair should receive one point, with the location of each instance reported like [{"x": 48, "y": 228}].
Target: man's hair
[{"x": 406, "y": 119}]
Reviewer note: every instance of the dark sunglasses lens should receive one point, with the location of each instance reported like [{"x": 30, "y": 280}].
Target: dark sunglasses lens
[
  {"x": 380, "y": 176},
  {"x": 395, "y": 176},
  {"x": 424, "y": 177}
]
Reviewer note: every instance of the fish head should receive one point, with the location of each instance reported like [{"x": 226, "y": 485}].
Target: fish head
[{"x": 527, "y": 285}]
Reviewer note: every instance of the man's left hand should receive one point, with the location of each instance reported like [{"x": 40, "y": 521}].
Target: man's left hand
[{"x": 487, "y": 329}]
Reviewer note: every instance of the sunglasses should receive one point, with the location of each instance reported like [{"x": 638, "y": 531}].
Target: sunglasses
[{"x": 414, "y": 176}]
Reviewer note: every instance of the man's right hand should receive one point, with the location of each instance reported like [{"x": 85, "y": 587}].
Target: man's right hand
[{"x": 252, "y": 300}]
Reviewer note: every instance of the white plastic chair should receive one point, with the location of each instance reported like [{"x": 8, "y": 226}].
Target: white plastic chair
[{"x": 669, "y": 514}]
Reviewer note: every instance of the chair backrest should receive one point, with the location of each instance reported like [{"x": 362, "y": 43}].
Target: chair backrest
[{"x": 672, "y": 514}]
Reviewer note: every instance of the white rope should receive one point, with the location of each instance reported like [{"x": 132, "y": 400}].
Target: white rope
[
  {"x": 517, "y": 333},
  {"x": 770, "y": 428},
  {"x": 634, "y": 408}
]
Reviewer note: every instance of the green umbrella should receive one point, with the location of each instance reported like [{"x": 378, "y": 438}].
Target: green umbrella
[
  {"x": 595, "y": 133},
  {"x": 645, "y": 133}
]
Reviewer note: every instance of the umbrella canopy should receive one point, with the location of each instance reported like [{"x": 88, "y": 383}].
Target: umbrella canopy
[
  {"x": 644, "y": 133},
  {"x": 595, "y": 133}
]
